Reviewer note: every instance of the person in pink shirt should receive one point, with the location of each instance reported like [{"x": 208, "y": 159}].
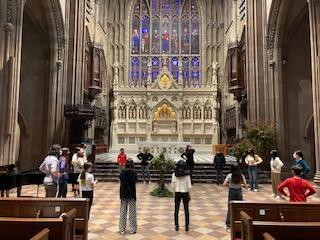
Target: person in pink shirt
[{"x": 298, "y": 189}]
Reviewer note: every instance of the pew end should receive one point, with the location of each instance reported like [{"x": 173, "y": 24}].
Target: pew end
[
  {"x": 43, "y": 235},
  {"x": 267, "y": 236}
]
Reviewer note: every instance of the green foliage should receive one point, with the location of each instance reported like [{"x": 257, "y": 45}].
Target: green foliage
[
  {"x": 163, "y": 165},
  {"x": 242, "y": 148},
  {"x": 162, "y": 192},
  {"x": 259, "y": 137}
]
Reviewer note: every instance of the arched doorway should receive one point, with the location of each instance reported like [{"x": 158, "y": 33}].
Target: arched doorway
[{"x": 293, "y": 78}]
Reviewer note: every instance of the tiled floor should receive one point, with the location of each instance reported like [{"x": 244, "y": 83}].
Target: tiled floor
[{"x": 155, "y": 216}]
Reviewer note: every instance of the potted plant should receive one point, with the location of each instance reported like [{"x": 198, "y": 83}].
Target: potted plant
[{"x": 163, "y": 165}]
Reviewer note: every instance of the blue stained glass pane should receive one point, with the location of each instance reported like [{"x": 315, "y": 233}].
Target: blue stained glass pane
[
  {"x": 145, "y": 40},
  {"x": 155, "y": 68},
  {"x": 155, "y": 7},
  {"x": 195, "y": 35},
  {"x": 144, "y": 71},
  {"x": 175, "y": 36},
  {"x": 135, "y": 41},
  {"x": 175, "y": 68},
  {"x": 135, "y": 71},
  {"x": 165, "y": 7},
  {"x": 165, "y": 35},
  {"x": 156, "y": 36}
]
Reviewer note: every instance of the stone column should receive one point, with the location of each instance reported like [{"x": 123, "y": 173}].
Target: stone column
[
  {"x": 314, "y": 16},
  {"x": 149, "y": 111},
  {"x": 255, "y": 61},
  {"x": 11, "y": 20}
]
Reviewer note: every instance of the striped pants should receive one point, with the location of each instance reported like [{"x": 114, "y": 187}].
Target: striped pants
[{"x": 132, "y": 215}]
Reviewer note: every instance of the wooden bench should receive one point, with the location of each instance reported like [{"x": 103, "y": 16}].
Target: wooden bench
[
  {"x": 43, "y": 235},
  {"x": 272, "y": 211},
  {"x": 61, "y": 228},
  {"x": 254, "y": 230},
  {"x": 48, "y": 208}
]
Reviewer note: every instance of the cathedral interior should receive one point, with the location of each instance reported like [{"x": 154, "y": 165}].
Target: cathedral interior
[{"x": 158, "y": 74}]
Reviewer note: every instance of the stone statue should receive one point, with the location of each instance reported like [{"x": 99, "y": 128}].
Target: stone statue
[
  {"x": 115, "y": 73},
  {"x": 215, "y": 67}
]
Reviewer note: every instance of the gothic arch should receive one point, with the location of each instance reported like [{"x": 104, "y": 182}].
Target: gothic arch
[{"x": 290, "y": 77}]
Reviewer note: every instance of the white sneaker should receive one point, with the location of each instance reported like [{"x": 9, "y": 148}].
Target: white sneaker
[
  {"x": 249, "y": 189},
  {"x": 149, "y": 182},
  {"x": 122, "y": 232},
  {"x": 144, "y": 182},
  {"x": 278, "y": 197},
  {"x": 273, "y": 195},
  {"x": 255, "y": 190}
]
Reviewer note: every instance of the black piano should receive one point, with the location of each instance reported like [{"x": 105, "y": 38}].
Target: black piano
[{"x": 9, "y": 179}]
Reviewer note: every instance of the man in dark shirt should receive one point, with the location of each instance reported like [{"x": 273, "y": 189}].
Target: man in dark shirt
[
  {"x": 145, "y": 157},
  {"x": 188, "y": 155},
  {"x": 219, "y": 163}
]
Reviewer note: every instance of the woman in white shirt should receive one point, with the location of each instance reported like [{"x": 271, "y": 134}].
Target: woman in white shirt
[
  {"x": 275, "y": 164},
  {"x": 87, "y": 183},
  {"x": 181, "y": 184},
  {"x": 253, "y": 160}
]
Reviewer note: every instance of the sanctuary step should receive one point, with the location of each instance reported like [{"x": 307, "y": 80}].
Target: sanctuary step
[{"x": 202, "y": 173}]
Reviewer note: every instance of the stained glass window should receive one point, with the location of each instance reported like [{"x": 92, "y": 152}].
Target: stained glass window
[
  {"x": 175, "y": 68},
  {"x": 195, "y": 71},
  {"x": 155, "y": 68},
  {"x": 164, "y": 32}
]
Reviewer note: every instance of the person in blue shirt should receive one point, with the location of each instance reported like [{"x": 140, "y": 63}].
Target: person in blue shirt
[{"x": 298, "y": 160}]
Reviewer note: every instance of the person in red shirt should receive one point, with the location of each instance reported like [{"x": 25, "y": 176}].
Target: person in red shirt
[
  {"x": 299, "y": 189},
  {"x": 122, "y": 158}
]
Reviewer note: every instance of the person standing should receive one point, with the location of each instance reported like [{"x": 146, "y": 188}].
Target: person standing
[
  {"x": 181, "y": 185},
  {"x": 234, "y": 180},
  {"x": 128, "y": 178},
  {"x": 298, "y": 160},
  {"x": 219, "y": 164},
  {"x": 78, "y": 164},
  {"x": 63, "y": 173},
  {"x": 145, "y": 157},
  {"x": 253, "y": 160},
  {"x": 87, "y": 183},
  {"x": 121, "y": 159},
  {"x": 188, "y": 155},
  {"x": 275, "y": 165},
  {"x": 49, "y": 167},
  {"x": 298, "y": 188}
]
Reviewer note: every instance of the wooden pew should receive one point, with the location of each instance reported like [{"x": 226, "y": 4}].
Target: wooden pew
[
  {"x": 48, "y": 208},
  {"x": 43, "y": 235},
  {"x": 272, "y": 211},
  {"x": 267, "y": 236},
  {"x": 254, "y": 230},
  {"x": 61, "y": 228}
]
